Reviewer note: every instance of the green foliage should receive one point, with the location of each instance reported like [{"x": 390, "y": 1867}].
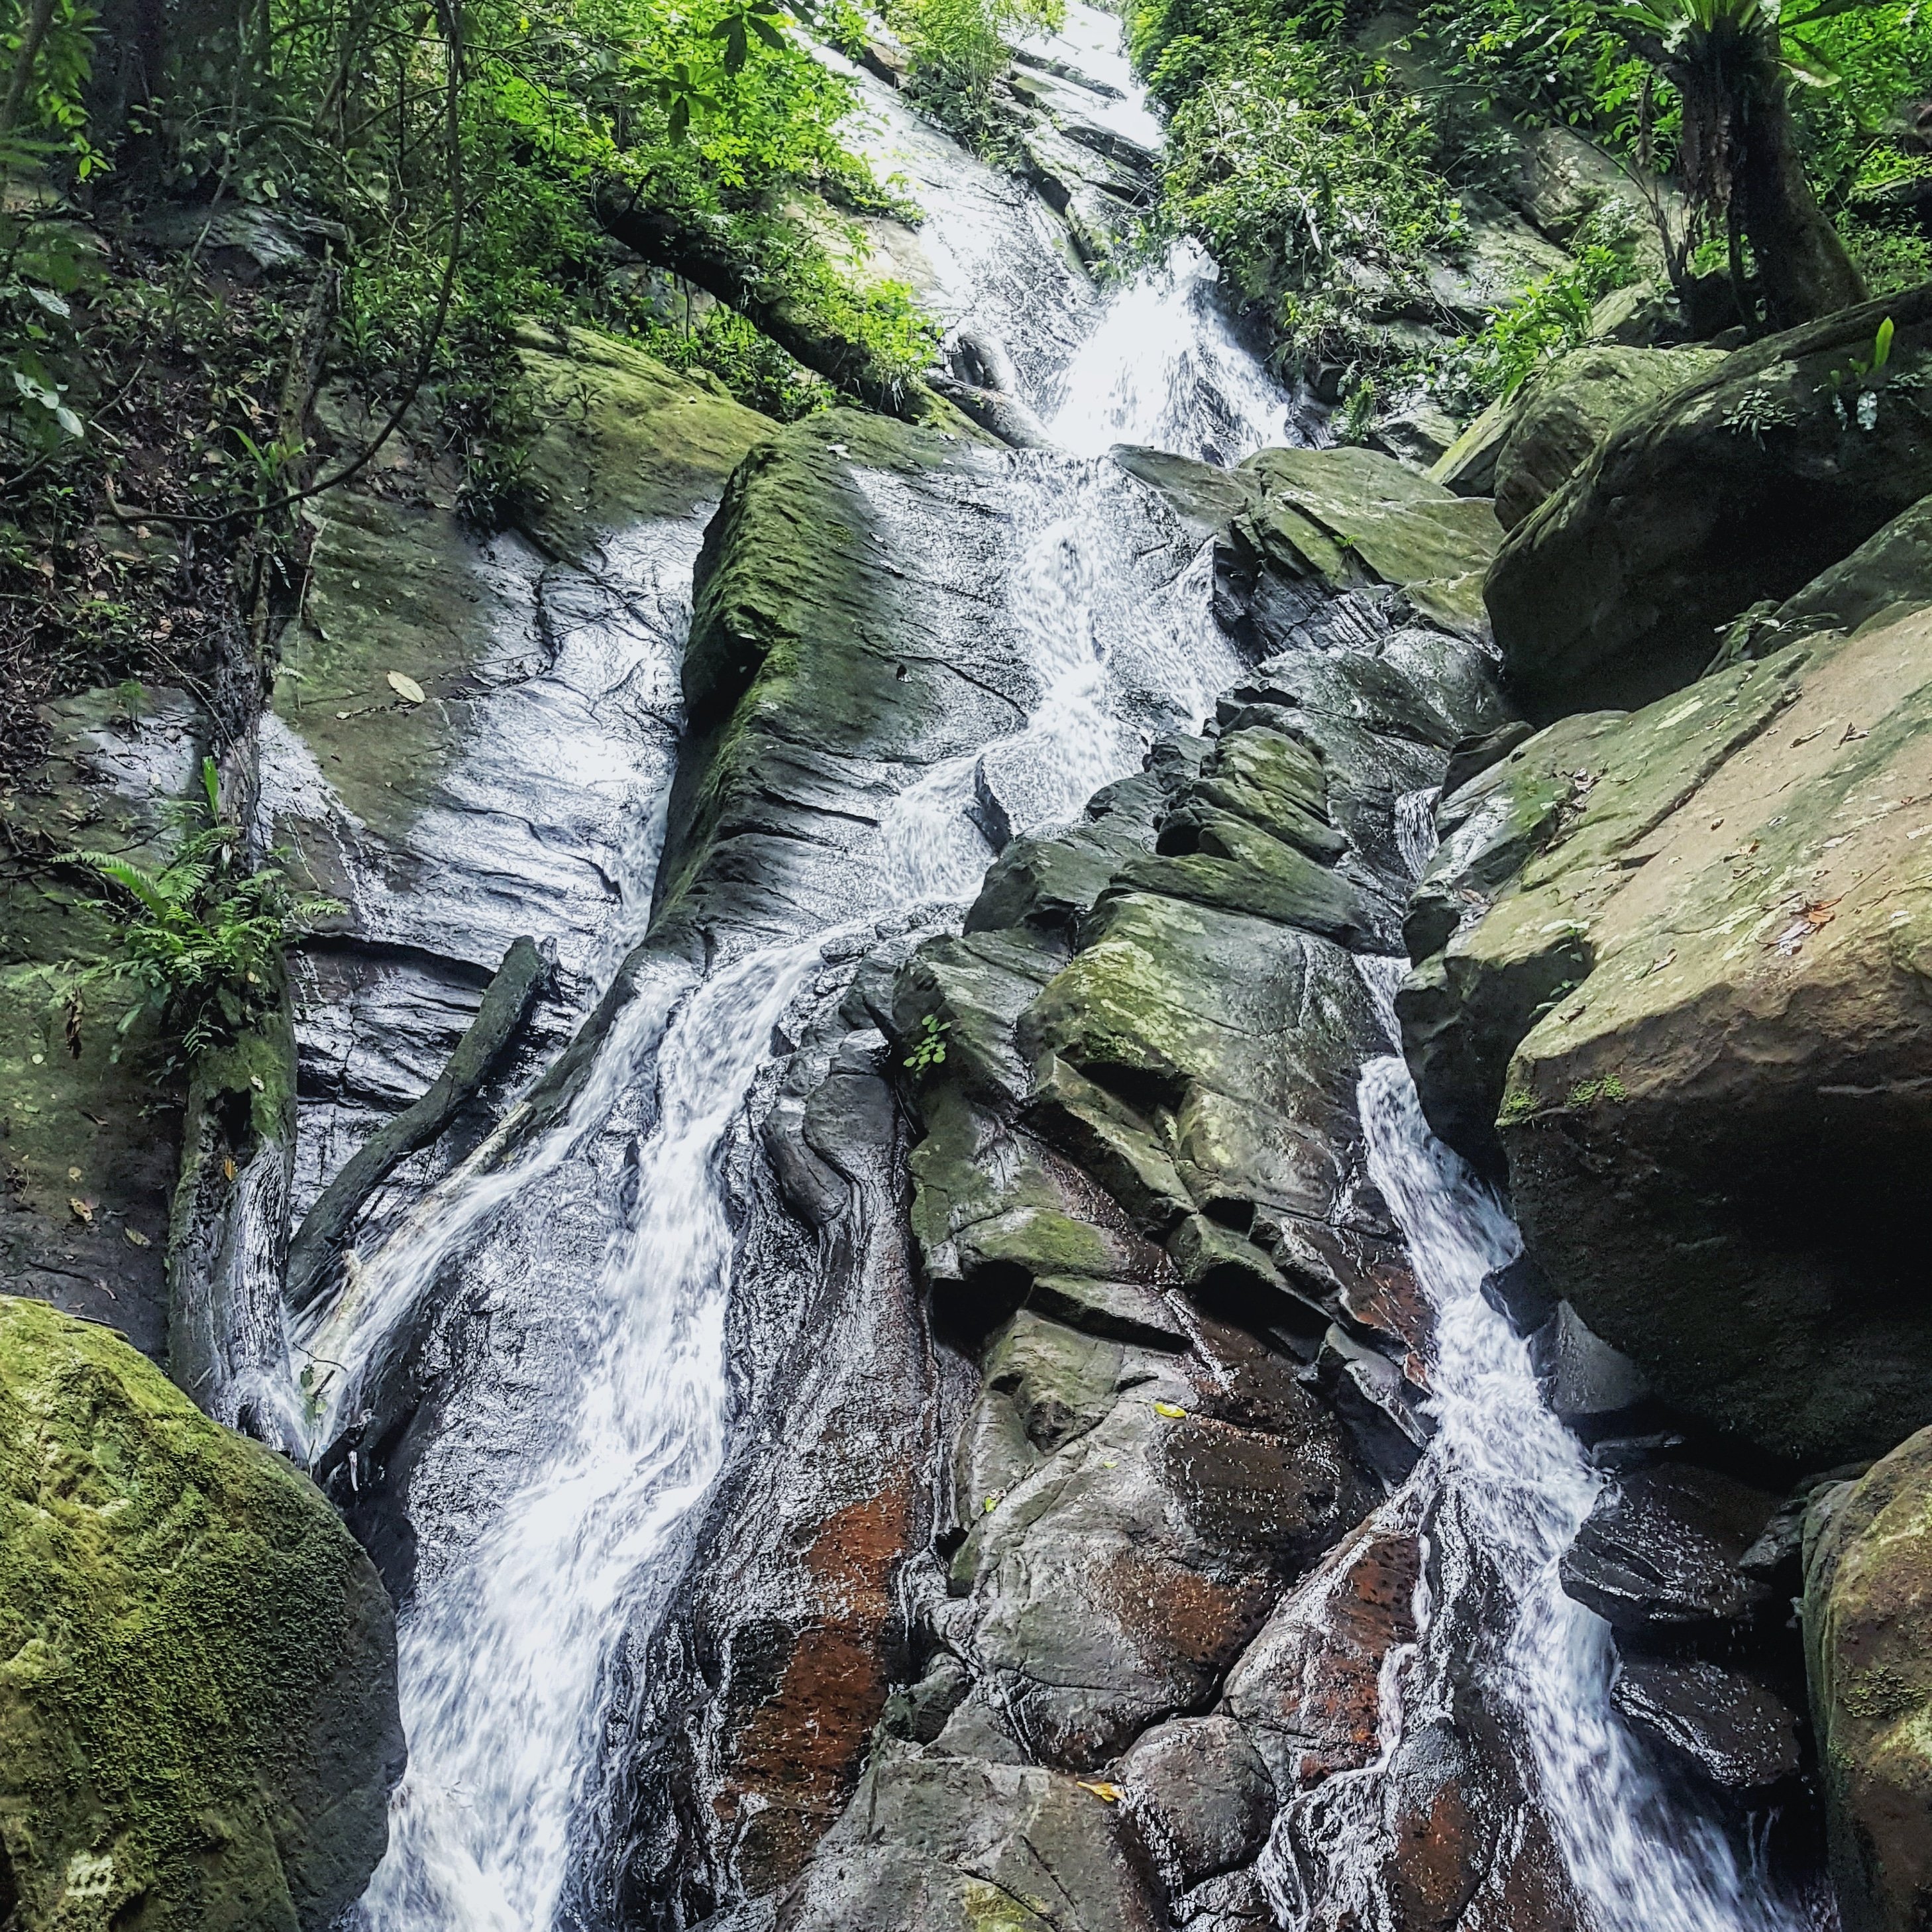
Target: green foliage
[
  {"x": 958, "y": 49},
  {"x": 1553, "y": 319},
  {"x": 1756, "y": 411},
  {"x": 1309, "y": 176},
  {"x": 201, "y": 940},
  {"x": 1563, "y": 63},
  {"x": 1587, "y": 1093},
  {"x": 42, "y": 268},
  {"x": 1892, "y": 256},
  {"x": 752, "y": 366},
  {"x": 928, "y": 1050}
]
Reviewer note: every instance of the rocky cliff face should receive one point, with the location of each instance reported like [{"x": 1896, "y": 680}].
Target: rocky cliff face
[
  {"x": 1669, "y": 986},
  {"x": 1036, "y": 1526}
]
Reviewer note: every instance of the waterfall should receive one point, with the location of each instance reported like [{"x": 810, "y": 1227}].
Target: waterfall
[
  {"x": 600, "y": 1250},
  {"x": 1505, "y": 1488},
  {"x": 596, "y": 1254}
]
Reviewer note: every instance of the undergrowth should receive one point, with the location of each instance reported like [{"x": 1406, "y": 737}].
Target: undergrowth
[{"x": 200, "y": 940}]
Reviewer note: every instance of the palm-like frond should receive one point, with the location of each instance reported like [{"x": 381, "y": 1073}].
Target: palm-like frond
[{"x": 125, "y": 874}]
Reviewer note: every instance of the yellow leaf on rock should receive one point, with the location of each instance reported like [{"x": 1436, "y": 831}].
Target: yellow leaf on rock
[
  {"x": 136, "y": 1237},
  {"x": 1172, "y": 1409},
  {"x": 1108, "y": 1793},
  {"x": 83, "y": 1210},
  {"x": 228, "y": 1168},
  {"x": 406, "y": 687}
]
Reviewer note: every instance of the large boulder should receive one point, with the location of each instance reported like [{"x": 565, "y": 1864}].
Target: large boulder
[
  {"x": 1742, "y": 485},
  {"x": 1868, "y": 1636},
  {"x": 1565, "y": 410},
  {"x": 1692, "y": 1021},
  {"x": 199, "y": 1705},
  {"x": 1341, "y": 520}
]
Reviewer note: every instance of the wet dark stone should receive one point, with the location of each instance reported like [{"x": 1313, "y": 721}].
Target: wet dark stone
[
  {"x": 1724, "y": 1726},
  {"x": 1659, "y": 1555},
  {"x": 1521, "y": 1292},
  {"x": 1594, "y": 1390},
  {"x": 1474, "y": 755},
  {"x": 1199, "y": 1797},
  {"x": 918, "y": 1713}
]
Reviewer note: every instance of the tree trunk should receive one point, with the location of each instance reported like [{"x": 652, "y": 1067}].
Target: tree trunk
[
  {"x": 1803, "y": 271},
  {"x": 687, "y": 248}
]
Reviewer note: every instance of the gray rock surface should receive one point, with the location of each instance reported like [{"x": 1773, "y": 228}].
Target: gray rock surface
[{"x": 1743, "y": 485}]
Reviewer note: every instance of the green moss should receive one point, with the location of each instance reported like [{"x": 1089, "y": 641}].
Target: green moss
[
  {"x": 172, "y": 1598},
  {"x": 1587, "y": 1093},
  {"x": 1518, "y": 1103}
]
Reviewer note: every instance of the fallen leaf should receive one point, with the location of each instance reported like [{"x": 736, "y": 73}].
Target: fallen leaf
[
  {"x": 1172, "y": 1409},
  {"x": 1819, "y": 912},
  {"x": 83, "y": 1210},
  {"x": 73, "y": 1174},
  {"x": 406, "y": 688},
  {"x": 1108, "y": 1793},
  {"x": 255, "y": 1079},
  {"x": 228, "y": 1166},
  {"x": 136, "y": 1237}
]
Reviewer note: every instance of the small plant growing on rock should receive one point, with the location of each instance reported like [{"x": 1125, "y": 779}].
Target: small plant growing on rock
[
  {"x": 201, "y": 940},
  {"x": 1756, "y": 411},
  {"x": 1865, "y": 377},
  {"x": 1587, "y": 1093},
  {"x": 928, "y": 1050}
]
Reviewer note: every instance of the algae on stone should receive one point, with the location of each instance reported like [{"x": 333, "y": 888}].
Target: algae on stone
[
  {"x": 1723, "y": 912},
  {"x": 199, "y": 1704},
  {"x": 1868, "y": 1642}
]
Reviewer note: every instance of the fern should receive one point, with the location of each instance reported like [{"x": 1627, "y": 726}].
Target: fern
[{"x": 201, "y": 940}]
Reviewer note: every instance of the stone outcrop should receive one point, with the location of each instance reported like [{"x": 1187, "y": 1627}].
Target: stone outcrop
[
  {"x": 1741, "y": 486},
  {"x": 1157, "y": 1271},
  {"x": 1671, "y": 970},
  {"x": 1868, "y": 1631},
  {"x": 506, "y": 802},
  {"x": 1563, "y": 411},
  {"x": 90, "y": 1146},
  {"x": 199, "y": 1706}
]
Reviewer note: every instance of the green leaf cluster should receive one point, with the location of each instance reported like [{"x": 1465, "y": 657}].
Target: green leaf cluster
[
  {"x": 1311, "y": 178},
  {"x": 200, "y": 939}
]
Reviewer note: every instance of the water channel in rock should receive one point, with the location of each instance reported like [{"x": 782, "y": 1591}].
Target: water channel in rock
[{"x": 565, "y": 1290}]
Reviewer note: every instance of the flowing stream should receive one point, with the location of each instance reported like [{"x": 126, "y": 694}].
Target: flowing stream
[
  {"x": 1506, "y": 1487},
  {"x": 598, "y": 1252},
  {"x": 547, "y": 1509}
]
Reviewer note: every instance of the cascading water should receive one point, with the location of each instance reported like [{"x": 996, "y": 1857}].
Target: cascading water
[
  {"x": 596, "y": 1255},
  {"x": 1504, "y": 1487},
  {"x": 1500, "y": 1495},
  {"x": 599, "y": 1251}
]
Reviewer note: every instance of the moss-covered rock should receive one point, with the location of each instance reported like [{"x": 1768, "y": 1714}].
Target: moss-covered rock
[
  {"x": 1563, "y": 411},
  {"x": 89, "y": 1143},
  {"x": 1742, "y": 485},
  {"x": 1349, "y": 518},
  {"x": 1698, "y": 1017},
  {"x": 625, "y": 440},
  {"x": 1868, "y": 1641},
  {"x": 199, "y": 1705}
]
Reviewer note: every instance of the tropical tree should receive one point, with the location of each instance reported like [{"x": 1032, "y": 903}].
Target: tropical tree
[{"x": 1734, "y": 63}]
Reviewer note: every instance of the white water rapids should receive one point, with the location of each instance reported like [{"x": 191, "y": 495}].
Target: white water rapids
[
  {"x": 1504, "y": 1479},
  {"x": 600, "y": 1252}
]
